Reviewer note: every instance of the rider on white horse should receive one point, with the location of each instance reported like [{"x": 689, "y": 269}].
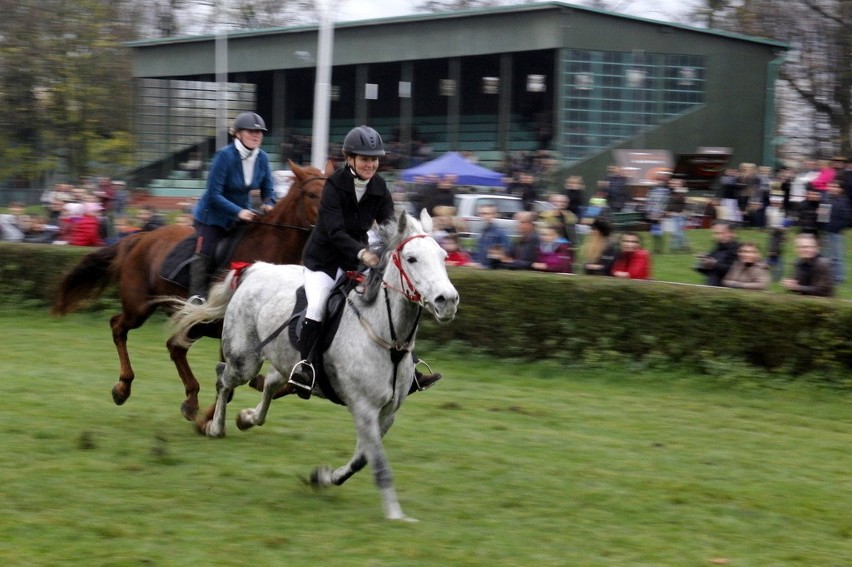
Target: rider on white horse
[{"x": 354, "y": 198}]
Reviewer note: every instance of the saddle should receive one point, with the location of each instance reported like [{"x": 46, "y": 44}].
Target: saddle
[
  {"x": 175, "y": 268},
  {"x": 333, "y": 312}
]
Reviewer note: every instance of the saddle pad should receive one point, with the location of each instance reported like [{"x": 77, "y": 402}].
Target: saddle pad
[{"x": 175, "y": 268}]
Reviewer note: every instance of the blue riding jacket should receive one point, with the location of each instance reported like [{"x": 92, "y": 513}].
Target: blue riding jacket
[{"x": 227, "y": 193}]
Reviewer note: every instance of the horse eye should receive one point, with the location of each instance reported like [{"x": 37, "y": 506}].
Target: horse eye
[{"x": 411, "y": 259}]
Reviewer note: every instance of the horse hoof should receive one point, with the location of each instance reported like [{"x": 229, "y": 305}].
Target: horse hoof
[
  {"x": 189, "y": 412},
  {"x": 243, "y": 423},
  {"x": 321, "y": 477},
  {"x": 205, "y": 428},
  {"x": 118, "y": 395}
]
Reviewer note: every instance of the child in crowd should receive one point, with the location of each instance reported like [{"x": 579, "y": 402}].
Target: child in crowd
[
  {"x": 455, "y": 255},
  {"x": 554, "y": 251},
  {"x": 633, "y": 261},
  {"x": 442, "y": 222}
]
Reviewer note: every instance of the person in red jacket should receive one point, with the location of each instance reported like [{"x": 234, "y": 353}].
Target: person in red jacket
[
  {"x": 455, "y": 255},
  {"x": 633, "y": 261},
  {"x": 87, "y": 230}
]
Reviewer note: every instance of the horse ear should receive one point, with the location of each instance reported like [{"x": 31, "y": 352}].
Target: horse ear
[
  {"x": 294, "y": 167},
  {"x": 425, "y": 220},
  {"x": 329, "y": 167},
  {"x": 402, "y": 223}
]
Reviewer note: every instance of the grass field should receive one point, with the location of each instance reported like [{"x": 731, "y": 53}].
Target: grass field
[{"x": 503, "y": 464}]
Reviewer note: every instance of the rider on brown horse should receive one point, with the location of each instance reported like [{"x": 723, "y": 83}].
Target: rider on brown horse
[{"x": 237, "y": 169}]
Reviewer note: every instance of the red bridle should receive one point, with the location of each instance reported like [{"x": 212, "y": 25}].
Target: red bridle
[{"x": 406, "y": 285}]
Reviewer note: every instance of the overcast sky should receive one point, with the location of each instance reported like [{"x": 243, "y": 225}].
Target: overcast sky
[{"x": 668, "y": 10}]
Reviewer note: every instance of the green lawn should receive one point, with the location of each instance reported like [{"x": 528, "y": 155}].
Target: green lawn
[{"x": 503, "y": 463}]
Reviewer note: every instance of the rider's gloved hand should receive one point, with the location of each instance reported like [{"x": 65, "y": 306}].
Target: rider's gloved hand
[
  {"x": 246, "y": 215},
  {"x": 368, "y": 258}
]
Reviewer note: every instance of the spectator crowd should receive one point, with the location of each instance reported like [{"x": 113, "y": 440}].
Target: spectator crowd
[
  {"x": 566, "y": 229},
  {"x": 93, "y": 213},
  {"x": 563, "y": 227}
]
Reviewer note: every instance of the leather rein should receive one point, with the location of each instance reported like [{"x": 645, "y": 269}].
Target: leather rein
[{"x": 302, "y": 191}]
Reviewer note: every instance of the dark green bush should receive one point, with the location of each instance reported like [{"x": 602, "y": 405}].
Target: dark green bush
[
  {"x": 30, "y": 273},
  {"x": 534, "y": 316}
]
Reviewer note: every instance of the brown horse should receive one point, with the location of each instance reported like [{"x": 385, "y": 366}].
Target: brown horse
[{"x": 134, "y": 264}]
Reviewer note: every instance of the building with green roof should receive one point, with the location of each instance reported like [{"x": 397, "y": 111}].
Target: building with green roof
[{"x": 577, "y": 81}]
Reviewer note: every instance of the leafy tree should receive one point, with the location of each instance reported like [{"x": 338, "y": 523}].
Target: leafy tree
[{"x": 65, "y": 77}]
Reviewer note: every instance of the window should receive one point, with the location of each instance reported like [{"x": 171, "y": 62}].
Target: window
[{"x": 611, "y": 96}]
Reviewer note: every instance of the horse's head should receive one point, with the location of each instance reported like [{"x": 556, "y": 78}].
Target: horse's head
[
  {"x": 279, "y": 236},
  {"x": 303, "y": 198},
  {"x": 414, "y": 265}
]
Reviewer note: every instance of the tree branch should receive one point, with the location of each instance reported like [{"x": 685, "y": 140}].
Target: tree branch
[
  {"x": 808, "y": 95},
  {"x": 819, "y": 10}
]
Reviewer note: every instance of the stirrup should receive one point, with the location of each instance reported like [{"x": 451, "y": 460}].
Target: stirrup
[
  {"x": 303, "y": 390},
  {"x": 196, "y": 300},
  {"x": 416, "y": 384}
]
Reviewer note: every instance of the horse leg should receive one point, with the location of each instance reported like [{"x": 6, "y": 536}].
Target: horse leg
[
  {"x": 250, "y": 417},
  {"x": 121, "y": 390},
  {"x": 189, "y": 407},
  {"x": 369, "y": 448},
  {"x": 214, "y": 425},
  {"x": 326, "y": 476},
  {"x": 382, "y": 471}
]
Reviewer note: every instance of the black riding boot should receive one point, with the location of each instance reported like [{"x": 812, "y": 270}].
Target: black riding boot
[
  {"x": 423, "y": 381},
  {"x": 199, "y": 278},
  {"x": 302, "y": 376}
]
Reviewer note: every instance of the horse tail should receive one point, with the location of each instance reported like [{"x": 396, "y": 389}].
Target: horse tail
[
  {"x": 213, "y": 310},
  {"x": 90, "y": 277}
]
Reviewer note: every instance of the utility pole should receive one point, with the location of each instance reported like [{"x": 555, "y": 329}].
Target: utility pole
[
  {"x": 322, "y": 87},
  {"x": 221, "y": 56}
]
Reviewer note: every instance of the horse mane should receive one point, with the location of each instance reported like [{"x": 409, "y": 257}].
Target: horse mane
[{"x": 391, "y": 233}]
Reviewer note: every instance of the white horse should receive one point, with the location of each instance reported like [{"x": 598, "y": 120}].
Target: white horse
[{"x": 375, "y": 324}]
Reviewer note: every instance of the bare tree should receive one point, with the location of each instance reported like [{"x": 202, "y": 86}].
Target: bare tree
[{"x": 818, "y": 68}]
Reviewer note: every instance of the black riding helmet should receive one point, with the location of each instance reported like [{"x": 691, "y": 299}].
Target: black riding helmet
[
  {"x": 249, "y": 121},
  {"x": 363, "y": 141}
]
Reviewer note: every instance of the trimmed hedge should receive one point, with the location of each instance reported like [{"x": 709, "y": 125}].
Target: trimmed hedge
[
  {"x": 30, "y": 273},
  {"x": 538, "y": 316}
]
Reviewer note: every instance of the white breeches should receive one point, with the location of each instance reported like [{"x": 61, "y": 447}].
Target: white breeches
[{"x": 318, "y": 287}]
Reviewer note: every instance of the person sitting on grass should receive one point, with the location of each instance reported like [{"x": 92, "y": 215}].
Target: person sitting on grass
[
  {"x": 493, "y": 241},
  {"x": 554, "y": 251},
  {"x": 455, "y": 255},
  {"x": 749, "y": 271},
  {"x": 716, "y": 263},
  {"x": 814, "y": 274},
  {"x": 633, "y": 261},
  {"x": 598, "y": 251}
]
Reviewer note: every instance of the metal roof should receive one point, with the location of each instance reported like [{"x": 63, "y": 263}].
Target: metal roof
[{"x": 452, "y": 15}]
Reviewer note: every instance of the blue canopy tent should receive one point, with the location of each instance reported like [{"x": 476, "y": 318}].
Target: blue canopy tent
[{"x": 452, "y": 163}]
